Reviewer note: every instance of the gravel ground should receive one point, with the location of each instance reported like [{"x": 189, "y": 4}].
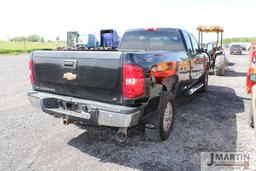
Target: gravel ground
[{"x": 213, "y": 121}]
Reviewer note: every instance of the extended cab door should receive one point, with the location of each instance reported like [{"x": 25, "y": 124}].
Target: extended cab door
[
  {"x": 187, "y": 61},
  {"x": 197, "y": 60}
]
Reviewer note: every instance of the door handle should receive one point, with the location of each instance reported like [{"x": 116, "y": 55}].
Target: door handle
[
  {"x": 68, "y": 63},
  {"x": 71, "y": 64}
]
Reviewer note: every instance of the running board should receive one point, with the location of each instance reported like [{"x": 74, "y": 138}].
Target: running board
[{"x": 195, "y": 88}]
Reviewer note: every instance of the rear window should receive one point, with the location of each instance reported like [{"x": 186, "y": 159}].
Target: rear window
[{"x": 169, "y": 40}]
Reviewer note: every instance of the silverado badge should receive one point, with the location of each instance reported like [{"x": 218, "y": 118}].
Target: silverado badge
[{"x": 69, "y": 76}]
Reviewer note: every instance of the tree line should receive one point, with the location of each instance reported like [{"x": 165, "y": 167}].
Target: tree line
[
  {"x": 30, "y": 38},
  {"x": 239, "y": 39},
  {"x": 36, "y": 38}
]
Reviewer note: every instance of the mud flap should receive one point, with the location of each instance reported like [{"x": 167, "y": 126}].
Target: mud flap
[
  {"x": 153, "y": 134},
  {"x": 152, "y": 119},
  {"x": 152, "y": 126}
]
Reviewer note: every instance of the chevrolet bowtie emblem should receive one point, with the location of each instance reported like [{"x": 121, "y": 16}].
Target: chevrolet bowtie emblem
[{"x": 69, "y": 76}]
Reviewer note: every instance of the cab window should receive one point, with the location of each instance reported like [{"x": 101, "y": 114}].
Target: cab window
[
  {"x": 194, "y": 43},
  {"x": 188, "y": 42}
]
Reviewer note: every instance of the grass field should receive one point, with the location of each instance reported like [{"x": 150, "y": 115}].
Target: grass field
[{"x": 7, "y": 47}]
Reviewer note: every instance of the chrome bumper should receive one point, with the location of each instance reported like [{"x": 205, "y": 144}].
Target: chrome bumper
[{"x": 99, "y": 113}]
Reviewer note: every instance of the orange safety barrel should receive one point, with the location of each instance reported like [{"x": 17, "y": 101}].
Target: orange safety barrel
[{"x": 251, "y": 69}]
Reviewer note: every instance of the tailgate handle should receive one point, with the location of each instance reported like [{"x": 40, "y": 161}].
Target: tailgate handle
[{"x": 70, "y": 64}]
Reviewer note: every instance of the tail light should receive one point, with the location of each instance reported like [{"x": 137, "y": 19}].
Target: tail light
[
  {"x": 151, "y": 29},
  {"x": 133, "y": 81},
  {"x": 31, "y": 74}
]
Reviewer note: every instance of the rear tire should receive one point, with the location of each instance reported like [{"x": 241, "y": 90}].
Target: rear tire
[
  {"x": 219, "y": 68},
  {"x": 166, "y": 116}
]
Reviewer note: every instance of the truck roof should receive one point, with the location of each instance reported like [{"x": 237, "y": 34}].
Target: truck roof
[{"x": 153, "y": 29}]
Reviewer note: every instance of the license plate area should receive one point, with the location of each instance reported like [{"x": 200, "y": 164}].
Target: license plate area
[
  {"x": 73, "y": 109},
  {"x": 78, "y": 110}
]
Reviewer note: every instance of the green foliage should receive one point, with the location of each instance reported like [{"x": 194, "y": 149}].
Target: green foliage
[
  {"x": 33, "y": 38},
  {"x": 19, "y": 39},
  {"x": 7, "y": 47},
  {"x": 239, "y": 39},
  {"x": 15, "y": 51},
  {"x": 29, "y": 38}
]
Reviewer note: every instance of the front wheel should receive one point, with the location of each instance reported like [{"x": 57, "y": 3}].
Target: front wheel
[{"x": 165, "y": 117}]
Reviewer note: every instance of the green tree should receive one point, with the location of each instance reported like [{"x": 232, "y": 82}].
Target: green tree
[
  {"x": 239, "y": 39},
  {"x": 18, "y": 39},
  {"x": 33, "y": 38}
]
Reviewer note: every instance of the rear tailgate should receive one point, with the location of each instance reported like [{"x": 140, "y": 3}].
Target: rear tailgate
[{"x": 92, "y": 75}]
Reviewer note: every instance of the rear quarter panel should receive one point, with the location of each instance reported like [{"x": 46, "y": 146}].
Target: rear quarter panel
[{"x": 159, "y": 66}]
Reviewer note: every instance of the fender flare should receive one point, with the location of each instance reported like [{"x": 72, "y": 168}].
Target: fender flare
[{"x": 169, "y": 85}]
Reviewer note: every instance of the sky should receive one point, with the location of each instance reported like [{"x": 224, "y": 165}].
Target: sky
[{"x": 52, "y": 18}]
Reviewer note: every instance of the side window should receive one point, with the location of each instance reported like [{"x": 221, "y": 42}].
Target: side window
[
  {"x": 187, "y": 40},
  {"x": 194, "y": 43}
]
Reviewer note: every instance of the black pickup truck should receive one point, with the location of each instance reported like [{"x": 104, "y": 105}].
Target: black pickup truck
[{"x": 136, "y": 84}]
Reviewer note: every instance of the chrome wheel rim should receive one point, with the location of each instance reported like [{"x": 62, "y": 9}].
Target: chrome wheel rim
[{"x": 168, "y": 114}]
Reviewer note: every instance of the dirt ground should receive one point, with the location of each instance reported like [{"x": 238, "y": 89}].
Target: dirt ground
[{"x": 209, "y": 122}]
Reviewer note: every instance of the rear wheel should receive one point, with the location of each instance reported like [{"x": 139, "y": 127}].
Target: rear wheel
[
  {"x": 219, "y": 68},
  {"x": 166, "y": 115}
]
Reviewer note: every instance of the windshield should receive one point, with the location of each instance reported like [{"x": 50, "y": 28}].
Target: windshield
[{"x": 169, "y": 40}]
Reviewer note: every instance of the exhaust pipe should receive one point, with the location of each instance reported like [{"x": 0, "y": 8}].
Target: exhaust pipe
[
  {"x": 67, "y": 121},
  {"x": 121, "y": 135}
]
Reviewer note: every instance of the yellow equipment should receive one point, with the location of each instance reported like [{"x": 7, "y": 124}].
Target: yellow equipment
[{"x": 208, "y": 29}]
